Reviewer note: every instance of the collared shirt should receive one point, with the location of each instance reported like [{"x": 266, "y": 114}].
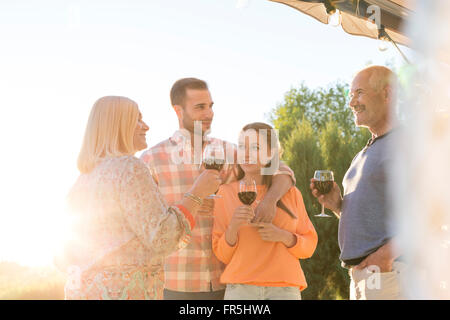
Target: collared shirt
[{"x": 175, "y": 165}]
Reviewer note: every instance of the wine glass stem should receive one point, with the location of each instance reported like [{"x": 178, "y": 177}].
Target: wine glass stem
[{"x": 323, "y": 209}]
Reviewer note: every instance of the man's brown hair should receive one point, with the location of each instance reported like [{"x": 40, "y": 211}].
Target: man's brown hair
[{"x": 178, "y": 91}]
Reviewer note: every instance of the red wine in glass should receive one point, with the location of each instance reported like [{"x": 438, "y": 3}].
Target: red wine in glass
[
  {"x": 323, "y": 182},
  {"x": 247, "y": 191},
  {"x": 214, "y": 158},
  {"x": 247, "y": 197},
  {"x": 214, "y": 164},
  {"x": 323, "y": 186}
]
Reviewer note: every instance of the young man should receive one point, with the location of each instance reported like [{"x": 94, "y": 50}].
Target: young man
[
  {"x": 194, "y": 272},
  {"x": 365, "y": 236}
]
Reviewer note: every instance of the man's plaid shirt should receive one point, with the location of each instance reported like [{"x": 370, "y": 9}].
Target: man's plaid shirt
[{"x": 175, "y": 167}]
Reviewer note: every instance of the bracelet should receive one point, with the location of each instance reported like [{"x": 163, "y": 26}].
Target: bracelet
[
  {"x": 193, "y": 198},
  {"x": 187, "y": 215}
]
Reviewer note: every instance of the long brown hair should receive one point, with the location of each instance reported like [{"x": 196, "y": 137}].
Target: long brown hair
[{"x": 267, "y": 179}]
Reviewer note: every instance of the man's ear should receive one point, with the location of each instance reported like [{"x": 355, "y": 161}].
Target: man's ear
[
  {"x": 387, "y": 93},
  {"x": 178, "y": 110}
]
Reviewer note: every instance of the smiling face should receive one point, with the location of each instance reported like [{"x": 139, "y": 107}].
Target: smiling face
[
  {"x": 197, "y": 106},
  {"x": 370, "y": 99},
  {"x": 250, "y": 152},
  {"x": 139, "y": 138}
]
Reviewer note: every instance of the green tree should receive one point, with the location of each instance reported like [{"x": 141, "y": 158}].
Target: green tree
[
  {"x": 317, "y": 131},
  {"x": 303, "y": 155},
  {"x": 318, "y": 106}
]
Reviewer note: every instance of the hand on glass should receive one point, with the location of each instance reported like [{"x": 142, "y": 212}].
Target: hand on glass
[
  {"x": 242, "y": 216},
  {"x": 332, "y": 200},
  {"x": 206, "y": 183},
  {"x": 214, "y": 159}
]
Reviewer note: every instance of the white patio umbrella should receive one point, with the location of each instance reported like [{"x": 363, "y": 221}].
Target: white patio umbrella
[{"x": 377, "y": 19}]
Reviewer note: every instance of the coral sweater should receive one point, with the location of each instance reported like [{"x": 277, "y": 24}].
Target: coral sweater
[{"x": 254, "y": 261}]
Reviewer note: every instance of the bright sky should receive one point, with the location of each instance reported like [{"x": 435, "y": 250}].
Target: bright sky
[{"x": 57, "y": 57}]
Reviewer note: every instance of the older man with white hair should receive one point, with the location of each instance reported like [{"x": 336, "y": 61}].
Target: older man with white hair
[{"x": 365, "y": 229}]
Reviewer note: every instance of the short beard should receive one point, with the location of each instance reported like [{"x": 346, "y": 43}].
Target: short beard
[{"x": 189, "y": 124}]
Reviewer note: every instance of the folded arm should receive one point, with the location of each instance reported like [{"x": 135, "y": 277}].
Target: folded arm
[{"x": 282, "y": 181}]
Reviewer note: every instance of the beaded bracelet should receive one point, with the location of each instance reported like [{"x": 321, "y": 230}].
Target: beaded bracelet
[{"x": 187, "y": 215}]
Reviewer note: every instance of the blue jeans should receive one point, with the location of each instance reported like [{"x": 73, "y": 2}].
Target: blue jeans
[{"x": 251, "y": 292}]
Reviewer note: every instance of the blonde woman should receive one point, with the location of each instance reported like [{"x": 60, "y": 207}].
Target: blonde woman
[{"x": 122, "y": 226}]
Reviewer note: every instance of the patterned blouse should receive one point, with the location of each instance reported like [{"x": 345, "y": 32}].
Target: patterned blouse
[{"x": 122, "y": 230}]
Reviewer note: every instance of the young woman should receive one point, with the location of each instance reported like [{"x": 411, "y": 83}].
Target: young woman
[
  {"x": 262, "y": 260},
  {"x": 122, "y": 227}
]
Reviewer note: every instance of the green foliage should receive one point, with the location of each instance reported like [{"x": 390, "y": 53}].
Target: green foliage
[
  {"x": 317, "y": 131},
  {"x": 303, "y": 155},
  {"x": 318, "y": 106}
]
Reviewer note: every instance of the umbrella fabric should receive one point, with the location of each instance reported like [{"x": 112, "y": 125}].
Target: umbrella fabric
[{"x": 355, "y": 18}]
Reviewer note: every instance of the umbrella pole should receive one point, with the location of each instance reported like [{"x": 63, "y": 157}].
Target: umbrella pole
[
  {"x": 403, "y": 55},
  {"x": 382, "y": 34}
]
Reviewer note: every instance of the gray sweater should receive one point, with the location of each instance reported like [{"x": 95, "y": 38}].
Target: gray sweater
[{"x": 364, "y": 223}]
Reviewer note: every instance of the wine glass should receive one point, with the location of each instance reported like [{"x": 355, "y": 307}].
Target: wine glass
[
  {"x": 323, "y": 182},
  {"x": 247, "y": 191},
  {"x": 214, "y": 158}
]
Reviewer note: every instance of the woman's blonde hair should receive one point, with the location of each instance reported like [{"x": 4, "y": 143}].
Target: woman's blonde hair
[{"x": 109, "y": 131}]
